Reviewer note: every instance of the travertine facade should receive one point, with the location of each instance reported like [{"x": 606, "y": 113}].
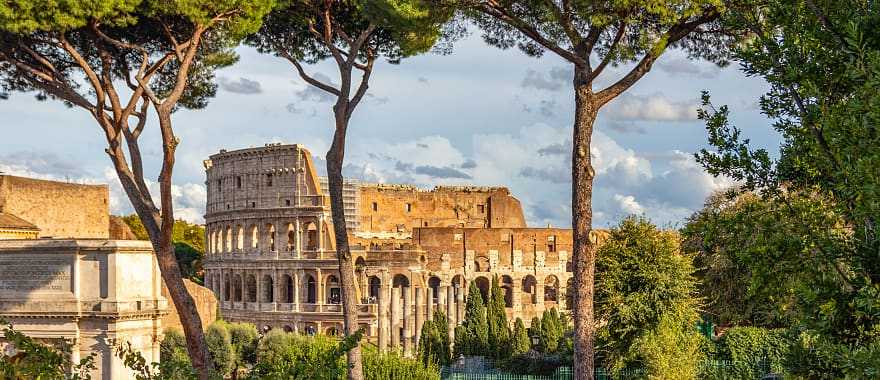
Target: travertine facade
[
  {"x": 271, "y": 258},
  {"x": 95, "y": 294}
]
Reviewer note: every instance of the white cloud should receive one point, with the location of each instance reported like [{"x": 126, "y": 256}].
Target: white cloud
[
  {"x": 628, "y": 204},
  {"x": 654, "y": 107}
]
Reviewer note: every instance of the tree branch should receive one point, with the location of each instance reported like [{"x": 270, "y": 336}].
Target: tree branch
[{"x": 498, "y": 11}]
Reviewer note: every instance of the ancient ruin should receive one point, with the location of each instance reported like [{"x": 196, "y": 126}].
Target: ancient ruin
[{"x": 271, "y": 260}]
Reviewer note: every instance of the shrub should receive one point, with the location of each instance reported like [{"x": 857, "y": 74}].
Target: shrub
[
  {"x": 750, "y": 352},
  {"x": 220, "y": 345},
  {"x": 392, "y": 366},
  {"x": 287, "y": 355}
]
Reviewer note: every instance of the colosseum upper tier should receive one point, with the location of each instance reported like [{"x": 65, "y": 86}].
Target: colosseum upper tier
[{"x": 271, "y": 258}]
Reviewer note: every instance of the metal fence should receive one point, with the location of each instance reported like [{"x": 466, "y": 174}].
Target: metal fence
[{"x": 720, "y": 369}]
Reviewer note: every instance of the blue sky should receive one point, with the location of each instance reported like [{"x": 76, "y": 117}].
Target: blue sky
[{"x": 480, "y": 115}]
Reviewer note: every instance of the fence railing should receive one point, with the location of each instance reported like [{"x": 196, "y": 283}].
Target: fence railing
[{"x": 718, "y": 368}]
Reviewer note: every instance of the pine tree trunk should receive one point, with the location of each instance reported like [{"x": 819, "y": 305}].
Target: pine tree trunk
[
  {"x": 582, "y": 217},
  {"x": 335, "y": 159}
]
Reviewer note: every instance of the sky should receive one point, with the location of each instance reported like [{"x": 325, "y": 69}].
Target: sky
[{"x": 479, "y": 115}]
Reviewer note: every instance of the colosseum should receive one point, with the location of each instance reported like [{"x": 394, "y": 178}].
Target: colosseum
[{"x": 271, "y": 258}]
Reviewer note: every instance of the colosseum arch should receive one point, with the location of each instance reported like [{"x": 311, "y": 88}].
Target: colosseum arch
[
  {"x": 483, "y": 284},
  {"x": 551, "y": 289},
  {"x": 268, "y": 289},
  {"x": 227, "y": 239},
  {"x": 334, "y": 293},
  {"x": 270, "y": 236},
  {"x": 287, "y": 289},
  {"x": 236, "y": 284},
  {"x": 310, "y": 230},
  {"x": 251, "y": 286},
  {"x": 291, "y": 237},
  {"x": 254, "y": 236},
  {"x": 239, "y": 238},
  {"x": 227, "y": 289},
  {"x": 434, "y": 284},
  {"x": 311, "y": 290},
  {"x": 529, "y": 290},
  {"x": 507, "y": 285},
  {"x": 400, "y": 281},
  {"x": 375, "y": 288}
]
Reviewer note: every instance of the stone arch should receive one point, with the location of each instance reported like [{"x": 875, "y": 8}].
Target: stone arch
[
  {"x": 268, "y": 289},
  {"x": 331, "y": 331},
  {"x": 529, "y": 289},
  {"x": 375, "y": 287},
  {"x": 311, "y": 290},
  {"x": 483, "y": 284},
  {"x": 236, "y": 284},
  {"x": 506, "y": 283},
  {"x": 239, "y": 238},
  {"x": 288, "y": 329},
  {"x": 287, "y": 288},
  {"x": 400, "y": 281},
  {"x": 291, "y": 238},
  {"x": 227, "y": 289},
  {"x": 334, "y": 292},
  {"x": 434, "y": 285},
  {"x": 270, "y": 236},
  {"x": 551, "y": 289},
  {"x": 227, "y": 239},
  {"x": 311, "y": 235},
  {"x": 251, "y": 285},
  {"x": 481, "y": 264},
  {"x": 254, "y": 236}
]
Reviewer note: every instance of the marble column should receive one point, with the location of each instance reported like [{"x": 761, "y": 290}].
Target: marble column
[
  {"x": 321, "y": 237},
  {"x": 407, "y": 320},
  {"x": 441, "y": 299},
  {"x": 395, "y": 317},
  {"x": 459, "y": 303},
  {"x": 298, "y": 238}
]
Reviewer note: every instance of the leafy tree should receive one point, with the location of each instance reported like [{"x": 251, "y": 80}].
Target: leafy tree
[
  {"x": 220, "y": 344},
  {"x": 719, "y": 237},
  {"x": 612, "y": 33},
  {"x": 117, "y": 60},
  {"x": 817, "y": 239},
  {"x": 26, "y": 358},
  {"x": 354, "y": 34},
  {"x": 244, "y": 338},
  {"x": 499, "y": 332},
  {"x": 521, "y": 342},
  {"x": 646, "y": 300}
]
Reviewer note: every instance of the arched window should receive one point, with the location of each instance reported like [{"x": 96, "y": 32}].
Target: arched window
[
  {"x": 400, "y": 280},
  {"x": 270, "y": 231},
  {"x": 251, "y": 288},
  {"x": 311, "y": 236},
  {"x": 236, "y": 283},
  {"x": 311, "y": 290},
  {"x": 434, "y": 285},
  {"x": 483, "y": 285},
  {"x": 529, "y": 287},
  {"x": 227, "y": 291},
  {"x": 551, "y": 289},
  {"x": 268, "y": 289},
  {"x": 255, "y": 237},
  {"x": 375, "y": 288},
  {"x": 507, "y": 285},
  {"x": 334, "y": 293},
  {"x": 227, "y": 237},
  {"x": 287, "y": 289},
  {"x": 291, "y": 238}
]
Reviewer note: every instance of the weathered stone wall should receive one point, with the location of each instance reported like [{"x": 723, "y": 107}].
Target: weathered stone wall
[
  {"x": 59, "y": 209},
  {"x": 503, "y": 242},
  {"x": 206, "y": 304},
  {"x": 119, "y": 230},
  {"x": 397, "y": 208}
]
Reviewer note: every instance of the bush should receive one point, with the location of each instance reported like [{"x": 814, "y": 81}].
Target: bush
[
  {"x": 536, "y": 363},
  {"x": 292, "y": 356},
  {"x": 220, "y": 345},
  {"x": 391, "y": 366}
]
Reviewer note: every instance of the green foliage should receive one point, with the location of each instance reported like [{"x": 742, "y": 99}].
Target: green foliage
[
  {"x": 174, "y": 360},
  {"x": 474, "y": 336},
  {"x": 816, "y": 241},
  {"x": 550, "y": 332},
  {"x": 646, "y": 301},
  {"x": 752, "y": 351},
  {"x": 499, "y": 330},
  {"x": 244, "y": 338},
  {"x": 30, "y": 359},
  {"x": 434, "y": 341},
  {"x": 220, "y": 345},
  {"x": 393, "y": 366},
  {"x": 720, "y": 238},
  {"x": 521, "y": 342},
  {"x": 292, "y": 356}
]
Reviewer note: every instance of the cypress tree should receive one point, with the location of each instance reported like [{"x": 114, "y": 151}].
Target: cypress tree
[
  {"x": 477, "y": 337},
  {"x": 499, "y": 332},
  {"x": 521, "y": 342},
  {"x": 462, "y": 340},
  {"x": 441, "y": 325},
  {"x": 549, "y": 337}
]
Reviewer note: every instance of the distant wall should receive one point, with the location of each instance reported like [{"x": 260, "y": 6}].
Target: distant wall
[
  {"x": 398, "y": 208},
  {"x": 59, "y": 209},
  {"x": 206, "y": 304}
]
